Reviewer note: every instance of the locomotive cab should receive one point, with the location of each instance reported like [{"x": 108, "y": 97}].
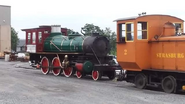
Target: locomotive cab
[
  {"x": 134, "y": 35},
  {"x": 35, "y": 37},
  {"x": 151, "y": 49}
]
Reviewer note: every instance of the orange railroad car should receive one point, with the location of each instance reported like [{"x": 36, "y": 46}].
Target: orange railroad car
[{"x": 152, "y": 50}]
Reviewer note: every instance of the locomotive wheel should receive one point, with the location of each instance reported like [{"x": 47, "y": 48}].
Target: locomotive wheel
[
  {"x": 68, "y": 71},
  {"x": 141, "y": 81},
  {"x": 79, "y": 74},
  {"x": 111, "y": 75},
  {"x": 56, "y": 63},
  {"x": 169, "y": 84},
  {"x": 45, "y": 64},
  {"x": 96, "y": 75}
]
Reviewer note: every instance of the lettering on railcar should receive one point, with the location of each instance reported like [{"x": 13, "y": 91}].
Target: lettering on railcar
[{"x": 170, "y": 55}]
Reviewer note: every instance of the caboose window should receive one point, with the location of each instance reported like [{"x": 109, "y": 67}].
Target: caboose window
[
  {"x": 130, "y": 31},
  {"x": 142, "y": 30},
  {"x": 46, "y": 31},
  {"x": 33, "y": 37},
  {"x": 29, "y": 38},
  {"x": 40, "y": 37}
]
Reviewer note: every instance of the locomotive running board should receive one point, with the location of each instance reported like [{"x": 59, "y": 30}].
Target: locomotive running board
[
  {"x": 57, "y": 53},
  {"x": 106, "y": 67}
]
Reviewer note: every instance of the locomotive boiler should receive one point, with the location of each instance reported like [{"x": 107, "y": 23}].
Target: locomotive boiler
[
  {"x": 96, "y": 43},
  {"x": 73, "y": 54}
]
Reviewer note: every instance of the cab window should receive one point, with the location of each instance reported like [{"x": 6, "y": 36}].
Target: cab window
[
  {"x": 177, "y": 26},
  {"x": 33, "y": 37},
  {"x": 126, "y": 32},
  {"x": 40, "y": 37},
  {"x": 29, "y": 38},
  {"x": 122, "y": 32},
  {"x": 129, "y": 31},
  {"x": 142, "y": 30}
]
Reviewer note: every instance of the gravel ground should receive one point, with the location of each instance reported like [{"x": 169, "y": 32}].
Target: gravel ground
[{"x": 29, "y": 86}]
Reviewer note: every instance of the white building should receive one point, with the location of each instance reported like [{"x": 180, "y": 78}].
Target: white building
[{"x": 5, "y": 28}]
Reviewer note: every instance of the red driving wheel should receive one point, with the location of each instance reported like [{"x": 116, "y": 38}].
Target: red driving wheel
[
  {"x": 45, "y": 65},
  {"x": 96, "y": 75},
  {"x": 68, "y": 71},
  {"x": 56, "y": 63},
  {"x": 78, "y": 74}
]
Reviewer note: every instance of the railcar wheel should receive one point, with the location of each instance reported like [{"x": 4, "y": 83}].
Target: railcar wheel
[
  {"x": 56, "y": 63},
  {"x": 140, "y": 81},
  {"x": 96, "y": 75},
  {"x": 68, "y": 71},
  {"x": 79, "y": 74},
  {"x": 111, "y": 75},
  {"x": 169, "y": 84},
  {"x": 45, "y": 65}
]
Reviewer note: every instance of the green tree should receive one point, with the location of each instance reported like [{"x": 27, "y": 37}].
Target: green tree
[
  {"x": 112, "y": 38},
  {"x": 14, "y": 39},
  {"x": 113, "y": 43},
  {"x": 71, "y": 31},
  {"x": 90, "y": 28}
]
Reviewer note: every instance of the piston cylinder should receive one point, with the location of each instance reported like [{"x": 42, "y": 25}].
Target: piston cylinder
[{"x": 87, "y": 66}]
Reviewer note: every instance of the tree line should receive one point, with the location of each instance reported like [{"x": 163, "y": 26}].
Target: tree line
[{"x": 88, "y": 30}]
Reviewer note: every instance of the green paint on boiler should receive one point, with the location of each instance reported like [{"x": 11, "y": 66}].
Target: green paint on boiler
[{"x": 71, "y": 43}]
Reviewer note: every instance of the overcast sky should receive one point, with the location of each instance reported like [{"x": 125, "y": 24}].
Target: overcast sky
[{"x": 74, "y": 14}]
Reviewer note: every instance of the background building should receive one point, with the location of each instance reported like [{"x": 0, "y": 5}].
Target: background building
[
  {"x": 21, "y": 45},
  {"x": 5, "y": 28}
]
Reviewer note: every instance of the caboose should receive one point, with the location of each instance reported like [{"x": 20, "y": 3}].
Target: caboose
[
  {"x": 151, "y": 49},
  {"x": 53, "y": 50}
]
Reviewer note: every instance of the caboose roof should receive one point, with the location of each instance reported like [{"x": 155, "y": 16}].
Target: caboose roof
[
  {"x": 35, "y": 28},
  {"x": 40, "y": 27},
  {"x": 136, "y": 17}
]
